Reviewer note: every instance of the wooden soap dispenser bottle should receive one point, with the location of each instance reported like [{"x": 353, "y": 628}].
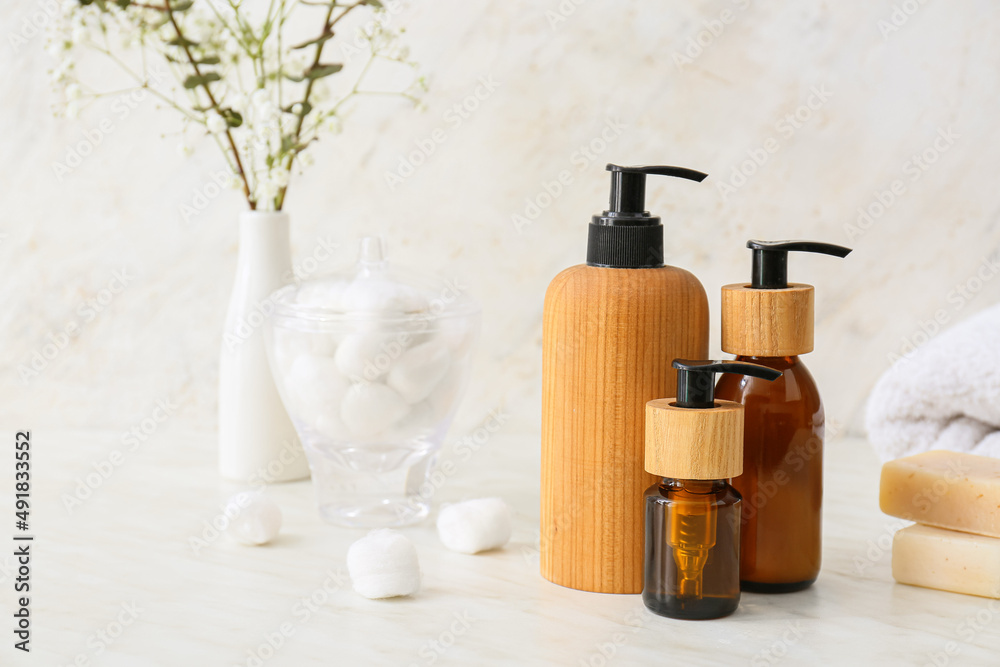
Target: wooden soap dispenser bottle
[
  {"x": 695, "y": 443},
  {"x": 611, "y": 328},
  {"x": 770, "y": 322}
]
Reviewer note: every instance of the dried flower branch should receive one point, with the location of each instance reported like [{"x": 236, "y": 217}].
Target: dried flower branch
[{"x": 233, "y": 74}]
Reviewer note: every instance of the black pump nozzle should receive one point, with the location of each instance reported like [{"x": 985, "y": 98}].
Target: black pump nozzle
[
  {"x": 628, "y": 186},
  {"x": 770, "y": 259},
  {"x": 696, "y": 379},
  {"x": 626, "y": 236}
]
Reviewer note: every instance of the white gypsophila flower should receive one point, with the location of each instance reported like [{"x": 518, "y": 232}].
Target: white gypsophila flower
[
  {"x": 231, "y": 46},
  {"x": 267, "y": 190},
  {"x": 279, "y": 176},
  {"x": 73, "y": 91},
  {"x": 79, "y": 34},
  {"x": 72, "y": 110},
  {"x": 260, "y": 97},
  {"x": 306, "y": 159},
  {"x": 215, "y": 123},
  {"x": 297, "y": 108}
]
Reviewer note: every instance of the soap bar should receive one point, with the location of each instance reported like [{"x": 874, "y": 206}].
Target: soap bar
[
  {"x": 945, "y": 489},
  {"x": 947, "y": 560}
]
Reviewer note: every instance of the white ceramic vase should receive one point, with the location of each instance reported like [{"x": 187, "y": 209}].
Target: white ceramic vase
[{"x": 257, "y": 442}]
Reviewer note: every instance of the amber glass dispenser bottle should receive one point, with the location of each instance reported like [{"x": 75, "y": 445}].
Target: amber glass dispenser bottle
[
  {"x": 695, "y": 443},
  {"x": 770, "y": 322}
]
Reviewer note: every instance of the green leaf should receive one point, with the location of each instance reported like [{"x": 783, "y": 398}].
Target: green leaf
[
  {"x": 194, "y": 80},
  {"x": 319, "y": 40},
  {"x": 123, "y": 3},
  {"x": 375, "y": 3},
  {"x": 181, "y": 41},
  {"x": 320, "y": 71},
  {"x": 231, "y": 116},
  {"x": 180, "y": 5},
  {"x": 209, "y": 60}
]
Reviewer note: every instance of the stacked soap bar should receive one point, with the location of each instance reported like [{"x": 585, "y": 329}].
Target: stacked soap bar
[{"x": 955, "y": 500}]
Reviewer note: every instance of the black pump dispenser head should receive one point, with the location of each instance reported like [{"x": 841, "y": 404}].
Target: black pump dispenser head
[
  {"x": 626, "y": 236},
  {"x": 696, "y": 379},
  {"x": 770, "y": 260}
]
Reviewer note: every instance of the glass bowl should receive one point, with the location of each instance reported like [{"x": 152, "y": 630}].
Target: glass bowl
[{"x": 371, "y": 365}]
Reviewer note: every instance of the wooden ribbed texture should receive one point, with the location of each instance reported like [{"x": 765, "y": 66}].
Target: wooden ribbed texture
[
  {"x": 767, "y": 322},
  {"x": 694, "y": 444},
  {"x": 610, "y": 336}
]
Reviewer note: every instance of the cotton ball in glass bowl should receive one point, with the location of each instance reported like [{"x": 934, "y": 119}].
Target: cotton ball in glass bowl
[{"x": 254, "y": 518}]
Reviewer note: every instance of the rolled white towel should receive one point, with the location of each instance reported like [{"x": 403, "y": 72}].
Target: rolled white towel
[{"x": 944, "y": 395}]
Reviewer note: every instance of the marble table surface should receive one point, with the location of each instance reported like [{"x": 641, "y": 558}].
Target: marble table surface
[{"x": 119, "y": 580}]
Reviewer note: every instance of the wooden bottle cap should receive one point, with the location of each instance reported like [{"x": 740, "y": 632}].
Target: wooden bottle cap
[
  {"x": 686, "y": 443},
  {"x": 767, "y": 322}
]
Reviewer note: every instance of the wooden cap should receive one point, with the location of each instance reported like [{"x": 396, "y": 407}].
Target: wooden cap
[
  {"x": 767, "y": 322},
  {"x": 687, "y": 443}
]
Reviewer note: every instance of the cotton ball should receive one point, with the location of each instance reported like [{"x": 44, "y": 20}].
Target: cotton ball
[
  {"x": 370, "y": 408},
  {"x": 364, "y": 355},
  {"x": 324, "y": 294},
  {"x": 314, "y": 387},
  {"x": 419, "y": 370},
  {"x": 323, "y": 344},
  {"x": 474, "y": 525},
  {"x": 254, "y": 518},
  {"x": 383, "y": 564},
  {"x": 376, "y": 295}
]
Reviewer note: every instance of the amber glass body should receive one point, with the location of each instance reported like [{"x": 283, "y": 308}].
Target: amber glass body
[
  {"x": 692, "y": 559},
  {"x": 782, "y": 480}
]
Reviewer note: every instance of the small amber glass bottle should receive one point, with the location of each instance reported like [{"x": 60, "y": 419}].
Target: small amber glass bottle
[
  {"x": 692, "y": 555},
  {"x": 692, "y": 549}
]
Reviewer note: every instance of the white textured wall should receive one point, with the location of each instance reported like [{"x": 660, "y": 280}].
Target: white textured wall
[{"x": 890, "y": 96}]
